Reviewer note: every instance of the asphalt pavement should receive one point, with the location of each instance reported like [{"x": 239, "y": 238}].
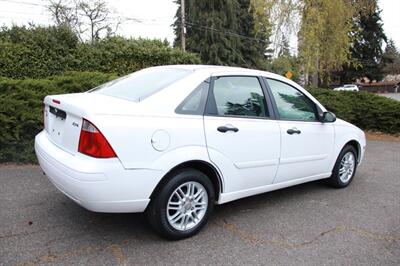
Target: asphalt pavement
[
  {"x": 310, "y": 224},
  {"x": 395, "y": 96}
]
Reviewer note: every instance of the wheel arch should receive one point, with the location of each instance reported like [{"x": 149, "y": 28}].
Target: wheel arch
[
  {"x": 341, "y": 143},
  {"x": 205, "y": 167},
  {"x": 356, "y": 145}
]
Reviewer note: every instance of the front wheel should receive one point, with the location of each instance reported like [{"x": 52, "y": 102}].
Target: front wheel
[
  {"x": 182, "y": 205},
  {"x": 345, "y": 167}
]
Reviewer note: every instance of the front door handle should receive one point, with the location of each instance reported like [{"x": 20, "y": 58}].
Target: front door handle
[
  {"x": 226, "y": 128},
  {"x": 292, "y": 131}
]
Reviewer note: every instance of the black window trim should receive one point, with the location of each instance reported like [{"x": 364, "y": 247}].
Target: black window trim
[
  {"x": 274, "y": 106},
  {"x": 210, "y": 104}
]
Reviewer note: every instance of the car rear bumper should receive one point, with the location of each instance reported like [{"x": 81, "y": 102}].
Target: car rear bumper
[{"x": 100, "y": 185}]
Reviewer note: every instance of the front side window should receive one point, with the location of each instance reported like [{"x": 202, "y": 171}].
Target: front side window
[
  {"x": 238, "y": 96},
  {"x": 291, "y": 103}
]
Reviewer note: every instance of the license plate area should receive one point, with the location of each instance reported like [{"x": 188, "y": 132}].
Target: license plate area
[
  {"x": 58, "y": 113},
  {"x": 57, "y": 124}
]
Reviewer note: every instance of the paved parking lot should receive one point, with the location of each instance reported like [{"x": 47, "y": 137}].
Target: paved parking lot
[
  {"x": 395, "y": 96},
  {"x": 310, "y": 224}
]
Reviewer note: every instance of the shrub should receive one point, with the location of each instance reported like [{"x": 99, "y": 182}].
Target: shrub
[
  {"x": 122, "y": 56},
  {"x": 35, "y": 51},
  {"x": 366, "y": 110},
  {"x": 21, "y": 109},
  {"x": 38, "y": 52}
]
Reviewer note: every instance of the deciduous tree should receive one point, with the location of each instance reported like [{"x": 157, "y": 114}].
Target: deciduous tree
[
  {"x": 324, "y": 40},
  {"x": 89, "y": 19}
]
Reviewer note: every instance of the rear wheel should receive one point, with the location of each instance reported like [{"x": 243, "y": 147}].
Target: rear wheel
[
  {"x": 181, "y": 207},
  {"x": 345, "y": 167}
]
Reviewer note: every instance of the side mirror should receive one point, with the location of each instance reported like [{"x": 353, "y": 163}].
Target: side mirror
[{"x": 328, "y": 117}]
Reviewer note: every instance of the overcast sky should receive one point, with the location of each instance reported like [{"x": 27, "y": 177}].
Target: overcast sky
[{"x": 156, "y": 16}]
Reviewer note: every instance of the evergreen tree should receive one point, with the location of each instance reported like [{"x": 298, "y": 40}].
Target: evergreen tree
[
  {"x": 391, "y": 59},
  {"x": 367, "y": 46},
  {"x": 255, "y": 40},
  {"x": 223, "y": 32}
]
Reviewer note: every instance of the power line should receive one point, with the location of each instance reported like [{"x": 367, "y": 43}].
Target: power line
[
  {"x": 232, "y": 33},
  {"x": 23, "y": 13},
  {"x": 202, "y": 27},
  {"x": 157, "y": 21},
  {"x": 36, "y": 21},
  {"x": 23, "y": 3},
  {"x": 190, "y": 24}
]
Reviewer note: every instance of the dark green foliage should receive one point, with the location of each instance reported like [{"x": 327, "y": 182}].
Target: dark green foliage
[
  {"x": 21, "y": 109},
  {"x": 367, "y": 47},
  {"x": 366, "y": 110},
  {"x": 207, "y": 27},
  {"x": 282, "y": 64},
  {"x": 253, "y": 47},
  {"x": 223, "y": 32},
  {"x": 123, "y": 56},
  {"x": 35, "y": 51},
  {"x": 391, "y": 59},
  {"x": 38, "y": 52}
]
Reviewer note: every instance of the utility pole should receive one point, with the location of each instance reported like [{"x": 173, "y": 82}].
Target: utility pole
[{"x": 183, "y": 28}]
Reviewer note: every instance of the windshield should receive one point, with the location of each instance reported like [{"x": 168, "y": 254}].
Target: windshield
[{"x": 141, "y": 84}]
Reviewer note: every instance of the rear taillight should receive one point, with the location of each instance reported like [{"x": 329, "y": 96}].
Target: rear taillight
[{"x": 93, "y": 143}]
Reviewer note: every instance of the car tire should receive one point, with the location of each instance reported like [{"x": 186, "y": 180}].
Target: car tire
[
  {"x": 345, "y": 168},
  {"x": 182, "y": 205}
]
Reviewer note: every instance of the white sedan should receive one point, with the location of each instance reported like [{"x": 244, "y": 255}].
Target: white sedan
[
  {"x": 175, "y": 140},
  {"x": 347, "y": 87}
]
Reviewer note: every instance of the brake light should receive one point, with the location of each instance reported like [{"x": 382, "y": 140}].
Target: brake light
[
  {"x": 56, "y": 101},
  {"x": 93, "y": 143}
]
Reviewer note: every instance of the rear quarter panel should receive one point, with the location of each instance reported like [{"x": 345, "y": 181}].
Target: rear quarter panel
[{"x": 134, "y": 139}]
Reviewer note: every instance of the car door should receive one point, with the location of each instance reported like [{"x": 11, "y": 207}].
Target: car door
[
  {"x": 242, "y": 139},
  {"x": 306, "y": 143}
]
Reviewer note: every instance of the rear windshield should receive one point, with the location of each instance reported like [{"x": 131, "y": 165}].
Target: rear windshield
[{"x": 141, "y": 84}]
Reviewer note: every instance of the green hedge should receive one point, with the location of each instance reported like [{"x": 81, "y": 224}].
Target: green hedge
[
  {"x": 366, "y": 110},
  {"x": 21, "y": 109},
  {"x": 38, "y": 52}
]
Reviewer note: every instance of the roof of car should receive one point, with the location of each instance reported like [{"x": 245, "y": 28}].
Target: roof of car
[{"x": 213, "y": 68}]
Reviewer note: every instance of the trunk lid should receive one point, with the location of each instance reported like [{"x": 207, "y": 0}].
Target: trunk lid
[{"x": 63, "y": 115}]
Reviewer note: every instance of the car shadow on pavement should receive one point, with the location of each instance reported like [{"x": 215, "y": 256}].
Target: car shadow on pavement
[
  {"x": 271, "y": 199},
  {"x": 120, "y": 226}
]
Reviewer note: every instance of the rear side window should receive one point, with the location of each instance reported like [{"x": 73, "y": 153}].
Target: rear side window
[
  {"x": 141, "y": 84},
  {"x": 238, "y": 96},
  {"x": 194, "y": 104}
]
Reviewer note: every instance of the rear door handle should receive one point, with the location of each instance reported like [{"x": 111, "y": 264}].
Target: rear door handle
[
  {"x": 226, "y": 128},
  {"x": 292, "y": 131}
]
